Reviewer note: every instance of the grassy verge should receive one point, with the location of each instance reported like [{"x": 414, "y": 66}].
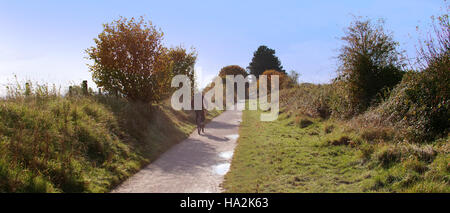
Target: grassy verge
[
  {"x": 302, "y": 154},
  {"x": 82, "y": 144}
]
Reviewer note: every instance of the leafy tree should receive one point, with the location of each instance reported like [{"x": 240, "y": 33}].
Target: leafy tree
[
  {"x": 130, "y": 59},
  {"x": 232, "y": 70},
  {"x": 369, "y": 63},
  {"x": 183, "y": 63},
  {"x": 264, "y": 59}
]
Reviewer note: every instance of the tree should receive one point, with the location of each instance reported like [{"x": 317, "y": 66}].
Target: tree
[
  {"x": 183, "y": 63},
  {"x": 130, "y": 59},
  {"x": 232, "y": 70},
  {"x": 369, "y": 63},
  {"x": 264, "y": 59}
]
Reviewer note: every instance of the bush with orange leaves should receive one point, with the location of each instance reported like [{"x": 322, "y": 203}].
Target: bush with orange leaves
[
  {"x": 232, "y": 70},
  {"x": 131, "y": 60},
  {"x": 285, "y": 81}
]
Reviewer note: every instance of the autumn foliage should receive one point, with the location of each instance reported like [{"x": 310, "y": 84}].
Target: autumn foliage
[
  {"x": 284, "y": 80},
  {"x": 232, "y": 70},
  {"x": 131, "y": 60},
  {"x": 183, "y": 62}
]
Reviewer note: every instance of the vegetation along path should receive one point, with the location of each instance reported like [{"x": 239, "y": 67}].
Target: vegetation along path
[
  {"x": 286, "y": 156},
  {"x": 198, "y": 164}
]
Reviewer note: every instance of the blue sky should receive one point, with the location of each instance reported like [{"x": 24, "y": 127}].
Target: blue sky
[{"x": 45, "y": 40}]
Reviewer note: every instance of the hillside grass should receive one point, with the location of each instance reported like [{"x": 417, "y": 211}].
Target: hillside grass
[
  {"x": 299, "y": 153},
  {"x": 82, "y": 143}
]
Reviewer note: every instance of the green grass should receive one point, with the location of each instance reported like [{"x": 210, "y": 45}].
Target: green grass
[
  {"x": 82, "y": 144},
  {"x": 329, "y": 156},
  {"x": 281, "y": 156}
]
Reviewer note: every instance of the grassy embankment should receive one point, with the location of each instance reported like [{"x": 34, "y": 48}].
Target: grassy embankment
[
  {"x": 50, "y": 143},
  {"x": 301, "y": 152}
]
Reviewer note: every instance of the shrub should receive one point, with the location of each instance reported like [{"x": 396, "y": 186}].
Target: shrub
[
  {"x": 369, "y": 64},
  {"x": 308, "y": 99},
  {"x": 284, "y": 80},
  {"x": 183, "y": 63},
  {"x": 232, "y": 70},
  {"x": 421, "y": 102},
  {"x": 130, "y": 59},
  {"x": 419, "y": 106}
]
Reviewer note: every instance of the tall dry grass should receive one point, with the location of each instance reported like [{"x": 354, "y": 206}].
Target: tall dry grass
[{"x": 53, "y": 142}]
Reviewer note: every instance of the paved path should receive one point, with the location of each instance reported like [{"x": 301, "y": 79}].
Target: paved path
[{"x": 198, "y": 164}]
